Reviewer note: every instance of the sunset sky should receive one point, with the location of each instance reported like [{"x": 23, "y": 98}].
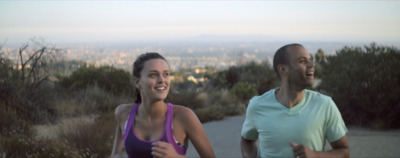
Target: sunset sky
[{"x": 119, "y": 21}]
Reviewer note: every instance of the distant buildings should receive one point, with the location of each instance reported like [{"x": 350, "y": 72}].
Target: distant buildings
[
  {"x": 184, "y": 57},
  {"x": 179, "y": 55}
]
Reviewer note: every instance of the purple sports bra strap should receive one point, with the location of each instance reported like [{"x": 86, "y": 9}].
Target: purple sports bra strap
[
  {"x": 170, "y": 133},
  {"x": 170, "y": 116},
  {"x": 130, "y": 120},
  {"x": 168, "y": 128}
]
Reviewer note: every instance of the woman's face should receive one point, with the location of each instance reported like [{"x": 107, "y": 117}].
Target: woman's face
[{"x": 154, "y": 80}]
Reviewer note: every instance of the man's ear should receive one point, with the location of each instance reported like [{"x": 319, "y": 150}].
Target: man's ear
[{"x": 282, "y": 69}]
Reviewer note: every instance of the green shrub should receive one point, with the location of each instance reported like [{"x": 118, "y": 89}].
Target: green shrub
[
  {"x": 113, "y": 80},
  {"x": 33, "y": 105},
  {"x": 185, "y": 94},
  {"x": 261, "y": 75},
  {"x": 210, "y": 113},
  {"x": 230, "y": 104},
  {"x": 365, "y": 84},
  {"x": 11, "y": 122},
  {"x": 234, "y": 109},
  {"x": 243, "y": 91}
]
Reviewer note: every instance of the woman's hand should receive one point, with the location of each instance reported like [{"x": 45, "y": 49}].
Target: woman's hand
[{"x": 163, "y": 149}]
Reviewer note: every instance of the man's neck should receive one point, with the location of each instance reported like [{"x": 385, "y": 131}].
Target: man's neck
[{"x": 289, "y": 97}]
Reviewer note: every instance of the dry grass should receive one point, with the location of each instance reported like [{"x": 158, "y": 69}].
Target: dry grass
[
  {"x": 22, "y": 145},
  {"x": 93, "y": 138},
  {"x": 52, "y": 130},
  {"x": 89, "y": 136}
]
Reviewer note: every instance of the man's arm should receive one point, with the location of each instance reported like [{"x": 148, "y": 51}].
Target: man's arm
[
  {"x": 249, "y": 148},
  {"x": 340, "y": 149}
]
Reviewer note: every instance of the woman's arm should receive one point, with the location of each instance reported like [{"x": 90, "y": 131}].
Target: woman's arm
[
  {"x": 118, "y": 142},
  {"x": 196, "y": 133},
  {"x": 121, "y": 114}
]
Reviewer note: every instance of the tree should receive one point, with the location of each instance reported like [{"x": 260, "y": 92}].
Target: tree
[
  {"x": 320, "y": 56},
  {"x": 33, "y": 62},
  {"x": 20, "y": 81},
  {"x": 5, "y": 68},
  {"x": 365, "y": 83},
  {"x": 320, "y": 59}
]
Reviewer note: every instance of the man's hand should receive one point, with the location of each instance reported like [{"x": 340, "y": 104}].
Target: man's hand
[
  {"x": 163, "y": 149},
  {"x": 302, "y": 151},
  {"x": 249, "y": 148}
]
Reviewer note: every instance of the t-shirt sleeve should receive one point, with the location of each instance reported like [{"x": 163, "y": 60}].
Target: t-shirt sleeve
[
  {"x": 249, "y": 130},
  {"x": 335, "y": 126}
]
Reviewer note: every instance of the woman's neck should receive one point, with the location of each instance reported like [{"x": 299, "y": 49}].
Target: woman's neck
[{"x": 150, "y": 111}]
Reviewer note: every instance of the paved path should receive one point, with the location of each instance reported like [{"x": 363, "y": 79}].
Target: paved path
[{"x": 224, "y": 136}]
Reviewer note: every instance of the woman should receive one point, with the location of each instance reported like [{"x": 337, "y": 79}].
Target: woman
[{"x": 151, "y": 127}]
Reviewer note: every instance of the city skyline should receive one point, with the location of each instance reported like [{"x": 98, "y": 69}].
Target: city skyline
[{"x": 128, "y": 21}]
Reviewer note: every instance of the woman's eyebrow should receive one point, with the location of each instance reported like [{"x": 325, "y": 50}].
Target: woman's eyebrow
[{"x": 153, "y": 71}]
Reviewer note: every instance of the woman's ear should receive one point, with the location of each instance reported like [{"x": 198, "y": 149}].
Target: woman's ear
[{"x": 136, "y": 82}]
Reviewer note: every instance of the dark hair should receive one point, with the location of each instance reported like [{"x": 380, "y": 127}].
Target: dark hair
[
  {"x": 281, "y": 56},
  {"x": 138, "y": 66}
]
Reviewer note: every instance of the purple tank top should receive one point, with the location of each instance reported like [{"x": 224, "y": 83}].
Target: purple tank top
[{"x": 136, "y": 147}]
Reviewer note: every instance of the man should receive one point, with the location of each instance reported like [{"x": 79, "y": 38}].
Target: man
[{"x": 291, "y": 121}]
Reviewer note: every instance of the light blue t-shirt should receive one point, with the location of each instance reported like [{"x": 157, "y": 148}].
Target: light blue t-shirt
[{"x": 311, "y": 122}]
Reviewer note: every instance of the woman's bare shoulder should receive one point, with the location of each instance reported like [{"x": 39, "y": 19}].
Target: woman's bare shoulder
[
  {"x": 122, "y": 111},
  {"x": 182, "y": 109},
  {"x": 184, "y": 113}
]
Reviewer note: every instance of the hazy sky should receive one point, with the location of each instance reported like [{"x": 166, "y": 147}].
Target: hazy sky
[{"x": 109, "y": 21}]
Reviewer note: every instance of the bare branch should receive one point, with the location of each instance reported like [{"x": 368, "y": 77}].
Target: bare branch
[
  {"x": 36, "y": 58},
  {"x": 21, "y": 50}
]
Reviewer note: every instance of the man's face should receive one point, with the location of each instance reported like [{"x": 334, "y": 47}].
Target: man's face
[{"x": 301, "y": 67}]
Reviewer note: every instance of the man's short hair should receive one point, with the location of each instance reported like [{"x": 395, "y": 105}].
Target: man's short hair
[{"x": 281, "y": 56}]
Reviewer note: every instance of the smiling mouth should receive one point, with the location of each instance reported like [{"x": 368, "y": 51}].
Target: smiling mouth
[
  {"x": 161, "y": 88},
  {"x": 310, "y": 74}
]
